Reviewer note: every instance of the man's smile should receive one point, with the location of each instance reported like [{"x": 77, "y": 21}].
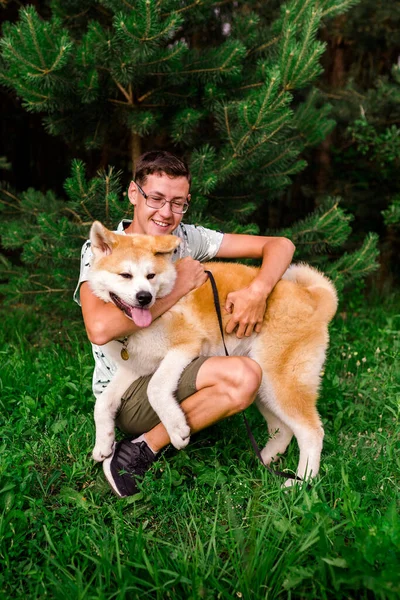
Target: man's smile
[{"x": 161, "y": 223}]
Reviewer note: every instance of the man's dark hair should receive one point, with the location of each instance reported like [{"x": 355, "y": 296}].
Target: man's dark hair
[{"x": 160, "y": 161}]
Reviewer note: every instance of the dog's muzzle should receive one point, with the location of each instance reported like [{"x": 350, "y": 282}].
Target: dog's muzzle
[{"x": 144, "y": 298}]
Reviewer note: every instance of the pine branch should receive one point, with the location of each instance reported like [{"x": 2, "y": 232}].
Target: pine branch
[
  {"x": 327, "y": 227},
  {"x": 355, "y": 265},
  {"x": 4, "y": 164},
  {"x": 228, "y": 129}
]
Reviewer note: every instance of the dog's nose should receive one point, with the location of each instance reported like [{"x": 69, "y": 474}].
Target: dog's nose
[{"x": 144, "y": 298}]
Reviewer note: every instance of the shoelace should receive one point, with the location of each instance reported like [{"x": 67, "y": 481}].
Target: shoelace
[{"x": 133, "y": 458}]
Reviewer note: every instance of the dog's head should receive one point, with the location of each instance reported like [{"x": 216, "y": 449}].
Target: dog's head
[{"x": 131, "y": 271}]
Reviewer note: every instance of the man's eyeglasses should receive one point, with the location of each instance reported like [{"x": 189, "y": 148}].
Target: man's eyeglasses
[{"x": 177, "y": 207}]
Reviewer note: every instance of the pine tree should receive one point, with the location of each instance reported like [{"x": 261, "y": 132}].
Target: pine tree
[
  {"x": 361, "y": 156},
  {"x": 377, "y": 135},
  {"x": 229, "y": 86}
]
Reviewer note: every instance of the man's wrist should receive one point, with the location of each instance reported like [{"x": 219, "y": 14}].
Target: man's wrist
[{"x": 261, "y": 287}]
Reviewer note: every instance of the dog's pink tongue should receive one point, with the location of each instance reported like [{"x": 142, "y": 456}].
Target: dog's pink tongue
[{"x": 141, "y": 317}]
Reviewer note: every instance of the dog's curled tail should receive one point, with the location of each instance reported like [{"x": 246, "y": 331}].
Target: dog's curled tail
[{"x": 316, "y": 282}]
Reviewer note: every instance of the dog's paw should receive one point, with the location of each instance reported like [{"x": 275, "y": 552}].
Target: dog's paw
[
  {"x": 103, "y": 450},
  {"x": 291, "y": 483},
  {"x": 180, "y": 440},
  {"x": 179, "y": 435}
]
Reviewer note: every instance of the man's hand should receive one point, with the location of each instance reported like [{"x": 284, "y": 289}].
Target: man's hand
[
  {"x": 190, "y": 275},
  {"x": 247, "y": 307}
]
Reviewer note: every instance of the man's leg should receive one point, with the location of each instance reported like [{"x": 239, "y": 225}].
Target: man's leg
[{"x": 225, "y": 386}]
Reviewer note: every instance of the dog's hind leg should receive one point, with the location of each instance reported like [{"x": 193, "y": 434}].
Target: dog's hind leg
[
  {"x": 309, "y": 435},
  {"x": 292, "y": 410},
  {"x": 280, "y": 435}
]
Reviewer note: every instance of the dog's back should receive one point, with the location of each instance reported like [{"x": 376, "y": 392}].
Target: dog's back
[
  {"x": 303, "y": 293},
  {"x": 290, "y": 348}
]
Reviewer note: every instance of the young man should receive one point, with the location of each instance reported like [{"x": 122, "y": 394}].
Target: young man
[{"x": 210, "y": 389}]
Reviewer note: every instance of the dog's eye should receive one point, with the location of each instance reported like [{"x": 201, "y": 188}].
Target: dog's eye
[
  {"x": 126, "y": 275},
  {"x": 151, "y": 276}
]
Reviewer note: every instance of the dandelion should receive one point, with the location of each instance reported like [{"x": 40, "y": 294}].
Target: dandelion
[
  {"x": 363, "y": 478},
  {"x": 358, "y": 363},
  {"x": 355, "y": 353},
  {"x": 377, "y": 350},
  {"x": 368, "y": 370},
  {"x": 364, "y": 359}
]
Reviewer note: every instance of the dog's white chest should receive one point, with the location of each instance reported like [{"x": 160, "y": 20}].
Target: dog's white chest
[{"x": 147, "y": 348}]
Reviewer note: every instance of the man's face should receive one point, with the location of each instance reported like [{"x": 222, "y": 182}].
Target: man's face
[{"x": 157, "y": 221}]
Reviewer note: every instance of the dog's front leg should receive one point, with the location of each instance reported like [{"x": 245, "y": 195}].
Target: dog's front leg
[
  {"x": 105, "y": 409},
  {"x": 161, "y": 395}
]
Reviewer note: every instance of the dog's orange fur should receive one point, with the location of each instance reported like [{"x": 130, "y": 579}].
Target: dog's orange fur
[{"x": 290, "y": 348}]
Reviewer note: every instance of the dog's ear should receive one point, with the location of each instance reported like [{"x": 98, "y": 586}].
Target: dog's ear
[
  {"x": 102, "y": 240},
  {"x": 163, "y": 244}
]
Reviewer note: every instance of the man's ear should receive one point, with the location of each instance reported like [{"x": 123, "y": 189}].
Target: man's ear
[
  {"x": 132, "y": 193},
  {"x": 102, "y": 240},
  {"x": 165, "y": 243}
]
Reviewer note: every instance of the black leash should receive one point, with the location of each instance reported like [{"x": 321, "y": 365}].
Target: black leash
[{"x": 249, "y": 432}]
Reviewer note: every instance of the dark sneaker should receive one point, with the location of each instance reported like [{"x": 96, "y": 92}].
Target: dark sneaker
[{"x": 128, "y": 463}]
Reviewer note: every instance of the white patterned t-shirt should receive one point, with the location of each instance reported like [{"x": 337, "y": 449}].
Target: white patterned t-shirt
[{"x": 198, "y": 242}]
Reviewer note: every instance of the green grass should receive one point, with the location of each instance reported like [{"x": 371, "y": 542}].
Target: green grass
[{"x": 209, "y": 522}]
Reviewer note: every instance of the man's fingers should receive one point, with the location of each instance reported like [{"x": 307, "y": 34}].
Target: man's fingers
[
  {"x": 231, "y": 325},
  {"x": 241, "y": 331},
  {"x": 228, "y": 306},
  {"x": 241, "y": 327},
  {"x": 249, "y": 330}
]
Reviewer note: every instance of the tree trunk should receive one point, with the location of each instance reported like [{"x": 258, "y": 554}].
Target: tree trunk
[
  {"x": 336, "y": 79},
  {"x": 136, "y": 150}
]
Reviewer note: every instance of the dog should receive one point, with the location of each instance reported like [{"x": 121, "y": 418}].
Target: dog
[{"x": 132, "y": 271}]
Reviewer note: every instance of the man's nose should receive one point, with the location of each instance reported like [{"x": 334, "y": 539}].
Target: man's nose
[{"x": 165, "y": 210}]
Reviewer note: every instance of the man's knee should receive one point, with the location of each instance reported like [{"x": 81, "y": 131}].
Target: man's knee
[
  {"x": 242, "y": 379},
  {"x": 236, "y": 377}
]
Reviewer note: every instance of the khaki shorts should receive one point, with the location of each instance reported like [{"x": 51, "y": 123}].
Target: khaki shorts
[{"x": 136, "y": 416}]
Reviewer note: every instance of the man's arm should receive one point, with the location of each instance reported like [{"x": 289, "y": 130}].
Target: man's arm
[
  {"x": 105, "y": 322},
  {"x": 248, "y": 305}
]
